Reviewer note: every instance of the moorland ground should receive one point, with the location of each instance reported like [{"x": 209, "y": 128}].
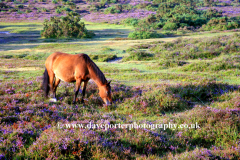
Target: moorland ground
[{"x": 185, "y": 79}]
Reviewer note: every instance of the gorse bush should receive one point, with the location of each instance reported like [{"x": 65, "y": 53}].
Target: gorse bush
[
  {"x": 68, "y": 26},
  {"x": 111, "y": 10},
  {"x": 114, "y": 9},
  {"x": 170, "y": 26},
  {"x": 144, "y": 34},
  {"x": 220, "y": 24}
]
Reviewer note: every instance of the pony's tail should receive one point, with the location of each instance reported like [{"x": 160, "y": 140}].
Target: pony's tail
[{"x": 45, "y": 84}]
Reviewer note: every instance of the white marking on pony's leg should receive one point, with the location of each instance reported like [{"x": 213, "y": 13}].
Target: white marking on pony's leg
[
  {"x": 106, "y": 102},
  {"x": 53, "y": 100}
]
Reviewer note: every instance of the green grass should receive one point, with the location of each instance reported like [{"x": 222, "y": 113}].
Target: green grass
[{"x": 23, "y": 27}]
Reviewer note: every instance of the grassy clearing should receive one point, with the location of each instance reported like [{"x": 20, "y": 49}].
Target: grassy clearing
[{"x": 21, "y": 27}]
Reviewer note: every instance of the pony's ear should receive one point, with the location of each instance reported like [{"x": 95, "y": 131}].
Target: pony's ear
[{"x": 108, "y": 83}]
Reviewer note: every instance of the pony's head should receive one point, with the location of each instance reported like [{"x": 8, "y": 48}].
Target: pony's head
[{"x": 105, "y": 93}]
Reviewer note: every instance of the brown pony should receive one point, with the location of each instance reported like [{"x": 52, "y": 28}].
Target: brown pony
[{"x": 74, "y": 68}]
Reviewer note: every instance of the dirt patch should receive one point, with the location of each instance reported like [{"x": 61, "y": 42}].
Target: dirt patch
[
  {"x": 116, "y": 60},
  {"x": 21, "y": 69}
]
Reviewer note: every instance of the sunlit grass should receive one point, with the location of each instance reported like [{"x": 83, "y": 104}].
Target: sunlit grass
[{"x": 21, "y": 27}]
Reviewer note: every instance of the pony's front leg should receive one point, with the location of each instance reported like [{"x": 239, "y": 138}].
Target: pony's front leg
[
  {"x": 84, "y": 90},
  {"x": 78, "y": 84}
]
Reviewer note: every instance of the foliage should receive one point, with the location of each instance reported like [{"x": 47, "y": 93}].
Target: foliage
[
  {"x": 206, "y": 48},
  {"x": 113, "y": 9},
  {"x": 170, "y": 26},
  {"x": 144, "y": 34},
  {"x": 103, "y": 57},
  {"x": 69, "y": 26},
  {"x": 138, "y": 56},
  {"x": 220, "y": 24},
  {"x": 103, "y": 1},
  {"x": 175, "y": 14}
]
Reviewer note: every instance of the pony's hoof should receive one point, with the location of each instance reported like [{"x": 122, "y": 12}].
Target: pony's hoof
[
  {"x": 53, "y": 100},
  {"x": 74, "y": 102}
]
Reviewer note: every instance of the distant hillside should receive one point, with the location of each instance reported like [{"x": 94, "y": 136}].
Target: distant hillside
[
  {"x": 148, "y": 15},
  {"x": 97, "y": 10}
]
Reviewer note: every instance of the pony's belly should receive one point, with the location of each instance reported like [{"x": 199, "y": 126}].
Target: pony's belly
[{"x": 65, "y": 77}]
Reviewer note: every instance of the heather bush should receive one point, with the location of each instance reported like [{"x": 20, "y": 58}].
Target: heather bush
[
  {"x": 168, "y": 63},
  {"x": 138, "y": 56},
  {"x": 68, "y": 26},
  {"x": 206, "y": 48},
  {"x": 157, "y": 101},
  {"x": 208, "y": 91},
  {"x": 225, "y": 63}
]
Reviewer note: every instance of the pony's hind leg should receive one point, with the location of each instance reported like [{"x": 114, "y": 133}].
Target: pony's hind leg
[
  {"x": 55, "y": 85},
  {"x": 51, "y": 84},
  {"x": 78, "y": 84}
]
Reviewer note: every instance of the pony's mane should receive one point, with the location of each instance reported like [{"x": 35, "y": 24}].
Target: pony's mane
[{"x": 94, "y": 67}]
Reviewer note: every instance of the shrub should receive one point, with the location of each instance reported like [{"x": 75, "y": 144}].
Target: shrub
[
  {"x": 28, "y": 11},
  {"x": 4, "y": 6},
  {"x": 170, "y": 26},
  {"x": 20, "y": 6},
  {"x": 156, "y": 101},
  {"x": 164, "y": 64},
  {"x": 144, "y": 34},
  {"x": 20, "y": 12},
  {"x": 220, "y": 24},
  {"x": 108, "y": 1},
  {"x": 103, "y": 57},
  {"x": 131, "y": 21},
  {"x": 113, "y": 9},
  {"x": 45, "y": 10},
  {"x": 216, "y": 65},
  {"x": 68, "y": 26},
  {"x": 96, "y": 7},
  {"x": 138, "y": 56},
  {"x": 54, "y": 2},
  {"x": 58, "y": 10}
]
